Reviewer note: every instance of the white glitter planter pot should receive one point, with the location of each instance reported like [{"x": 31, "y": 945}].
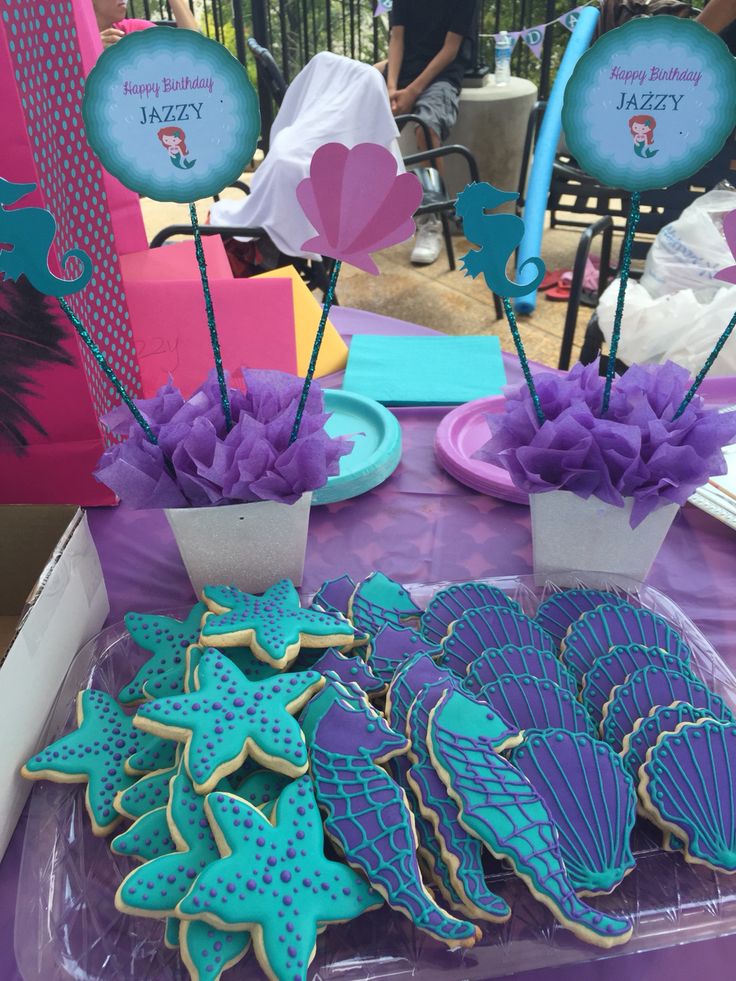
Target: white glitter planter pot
[
  {"x": 569, "y": 533},
  {"x": 250, "y": 546}
]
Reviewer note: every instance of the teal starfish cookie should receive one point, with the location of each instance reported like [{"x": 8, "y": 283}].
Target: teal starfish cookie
[
  {"x": 167, "y": 639},
  {"x": 230, "y": 718},
  {"x": 146, "y": 838},
  {"x": 275, "y": 880},
  {"x": 207, "y": 952},
  {"x": 175, "y": 683},
  {"x": 274, "y": 625},
  {"x": 155, "y": 753},
  {"x": 146, "y": 794},
  {"x": 94, "y": 753}
]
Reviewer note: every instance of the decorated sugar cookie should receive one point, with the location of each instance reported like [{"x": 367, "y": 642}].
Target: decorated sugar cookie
[
  {"x": 449, "y": 604},
  {"x": 147, "y": 838},
  {"x": 156, "y": 753},
  {"x": 334, "y": 595},
  {"x": 560, "y": 610},
  {"x": 95, "y": 754},
  {"x": 592, "y": 801},
  {"x": 664, "y": 718},
  {"x": 146, "y": 794},
  {"x": 349, "y": 669},
  {"x": 652, "y": 686},
  {"x": 167, "y": 639},
  {"x": 275, "y": 881},
  {"x": 687, "y": 786},
  {"x": 171, "y": 932},
  {"x": 500, "y": 807},
  {"x": 273, "y": 625},
  {"x": 261, "y": 787},
  {"x": 608, "y": 626},
  {"x": 490, "y": 627},
  {"x": 367, "y": 814},
  {"x": 492, "y": 664},
  {"x": 612, "y": 669},
  {"x": 392, "y": 646},
  {"x": 461, "y": 852},
  {"x": 207, "y": 951},
  {"x": 378, "y": 600},
  {"x": 230, "y": 718},
  {"x": 537, "y": 703}
]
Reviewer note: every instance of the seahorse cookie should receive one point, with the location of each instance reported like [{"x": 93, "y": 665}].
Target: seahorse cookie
[
  {"x": 367, "y": 814},
  {"x": 687, "y": 787},
  {"x": 448, "y": 605},
  {"x": 392, "y": 646},
  {"x": 274, "y": 880},
  {"x": 378, "y": 600},
  {"x": 95, "y": 754},
  {"x": 350, "y": 670},
  {"x": 500, "y": 807},
  {"x": 560, "y": 610},
  {"x": 592, "y": 801},
  {"x": 229, "y": 719},
  {"x": 167, "y": 640},
  {"x": 274, "y": 626}
]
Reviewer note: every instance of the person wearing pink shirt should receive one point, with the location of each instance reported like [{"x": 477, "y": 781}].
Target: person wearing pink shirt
[{"x": 113, "y": 23}]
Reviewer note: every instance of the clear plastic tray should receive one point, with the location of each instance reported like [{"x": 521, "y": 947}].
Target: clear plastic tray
[{"x": 67, "y": 925}]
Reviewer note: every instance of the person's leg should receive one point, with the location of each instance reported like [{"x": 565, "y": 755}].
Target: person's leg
[{"x": 437, "y": 106}]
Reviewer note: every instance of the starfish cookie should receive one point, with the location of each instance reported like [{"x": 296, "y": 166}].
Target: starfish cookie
[
  {"x": 147, "y": 838},
  {"x": 146, "y": 794},
  {"x": 94, "y": 753},
  {"x": 207, "y": 952},
  {"x": 230, "y": 718},
  {"x": 167, "y": 639},
  {"x": 275, "y": 880},
  {"x": 274, "y": 625}
]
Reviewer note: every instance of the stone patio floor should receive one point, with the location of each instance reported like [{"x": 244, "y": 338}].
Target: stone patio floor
[{"x": 433, "y": 295}]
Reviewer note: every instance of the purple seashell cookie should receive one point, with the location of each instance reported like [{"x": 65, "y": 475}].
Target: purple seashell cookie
[
  {"x": 608, "y": 626},
  {"x": 592, "y": 801},
  {"x": 528, "y": 702},
  {"x": 449, "y": 604},
  {"x": 560, "y": 610},
  {"x": 612, "y": 669},
  {"x": 392, "y": 646},
  {"x": 492, "y": 664},
  {"x": 647, "y": 688},
  {"x": 490, "y": 627},
  {"x": 665, "y": 718},
  {"x": 687, "y": 787}
]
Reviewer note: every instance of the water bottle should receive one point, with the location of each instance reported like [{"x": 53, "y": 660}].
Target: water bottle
[{"x": 503, "y": 59}]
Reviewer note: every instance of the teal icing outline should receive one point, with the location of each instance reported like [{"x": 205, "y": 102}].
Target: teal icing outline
[
  {"x": 242, "y": 135},
  {"x": 595, "y": 159}
]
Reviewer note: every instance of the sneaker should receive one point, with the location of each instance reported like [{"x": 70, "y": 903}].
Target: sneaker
[{"x": 428, "y": 242}]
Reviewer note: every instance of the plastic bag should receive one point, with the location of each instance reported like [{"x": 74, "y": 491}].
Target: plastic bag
[
  {"x": 677, "y": 310},
  {"x": 689, "y": 251}
]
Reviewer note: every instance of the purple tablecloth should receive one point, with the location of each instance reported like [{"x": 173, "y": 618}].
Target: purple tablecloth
[{"x": 423, "y": 526}]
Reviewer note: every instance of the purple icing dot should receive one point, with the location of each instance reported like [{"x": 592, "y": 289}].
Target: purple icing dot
[
  {"x": 238, "y": 702},
  {"x": 251, "y": 884},
  {"x": 286, "y": 876}
]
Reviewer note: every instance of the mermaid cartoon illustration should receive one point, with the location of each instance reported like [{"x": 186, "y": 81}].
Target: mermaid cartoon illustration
[
  {"x": 173, "y": 139},
  {"x": 642, "y": 131}
]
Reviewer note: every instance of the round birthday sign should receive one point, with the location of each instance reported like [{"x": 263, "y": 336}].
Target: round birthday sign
[
  {"x": 171, "y": 114},
  {"x": 650, "y": 103}
]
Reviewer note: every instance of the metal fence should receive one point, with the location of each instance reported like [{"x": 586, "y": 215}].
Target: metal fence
[{"x": 295, "y": 30}]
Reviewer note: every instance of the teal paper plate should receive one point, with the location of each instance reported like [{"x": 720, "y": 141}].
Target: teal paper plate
[{"x": 376, "y": 436}]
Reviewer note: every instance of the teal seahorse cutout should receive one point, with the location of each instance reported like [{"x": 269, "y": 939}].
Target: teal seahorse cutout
[
  {"x": 641, "y": 150},
  {"x": 30, "y": 233},
  {"x": 498, "y": 237}
]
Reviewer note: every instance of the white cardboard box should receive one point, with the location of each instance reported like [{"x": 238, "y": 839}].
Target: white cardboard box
[{"x": 67, "y": 607}]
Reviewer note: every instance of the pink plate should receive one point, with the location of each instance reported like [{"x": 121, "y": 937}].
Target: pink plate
[{"x": 459, "y": 435}]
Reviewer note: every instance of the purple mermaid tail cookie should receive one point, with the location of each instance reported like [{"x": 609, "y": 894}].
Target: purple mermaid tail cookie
[
  {"x": 367, "y": 814},
  {"x": 500, "y": 806}
]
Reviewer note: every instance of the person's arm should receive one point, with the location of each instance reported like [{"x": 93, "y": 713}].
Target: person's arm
[
  {"x": 395, "y": 58},
  {"x": 405, "y": 98},
  {"x": 718, "y": 15},
  {"x": 183, "y": 16}
]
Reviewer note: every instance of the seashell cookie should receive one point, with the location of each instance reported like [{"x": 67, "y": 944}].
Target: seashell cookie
[{"x": 449, "y": 604}]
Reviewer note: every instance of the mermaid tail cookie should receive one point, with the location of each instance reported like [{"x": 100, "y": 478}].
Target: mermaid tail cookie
[
  {"x": 500, "y": 806},
  {"x": 368, "y": 815}
]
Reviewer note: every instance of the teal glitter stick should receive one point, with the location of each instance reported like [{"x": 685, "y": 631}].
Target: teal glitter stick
[
  {"x": 104, "y": 365},
  {"x": 214, "y": 339},
  {"x": 524, "y": 361},
  {"x": 631, "y": 227},
  {"x": 706, "y": 367},
  {"x": 329, "y": 297}
]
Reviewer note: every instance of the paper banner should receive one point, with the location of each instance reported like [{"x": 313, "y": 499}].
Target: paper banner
[
  {"x": 513, "y": 37},
  {"x": 650, "y": 103},
  {"x": 533, "y": 37},
  {"x": 171, "y": 114},
  {"x": 570, "y": 19}
]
